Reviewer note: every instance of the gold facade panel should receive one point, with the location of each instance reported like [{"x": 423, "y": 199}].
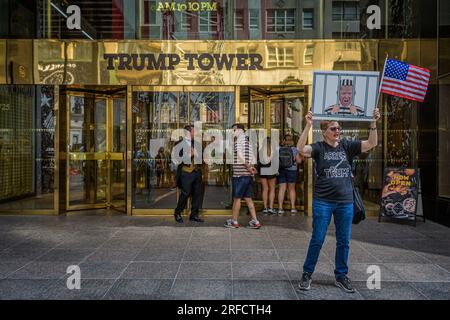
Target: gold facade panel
[
  {"x": 2, "y": 61},
  {"x": 283, "y": 62},
  {"x": 19, "y": 62}
]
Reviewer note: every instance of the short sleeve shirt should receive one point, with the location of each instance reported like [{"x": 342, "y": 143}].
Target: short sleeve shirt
[
  {"x": 333, "y": 171},
  {"x": 243, "y": 146}
]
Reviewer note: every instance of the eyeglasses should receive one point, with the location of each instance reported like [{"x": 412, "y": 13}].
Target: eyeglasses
[{"x": 335, "y": 128}]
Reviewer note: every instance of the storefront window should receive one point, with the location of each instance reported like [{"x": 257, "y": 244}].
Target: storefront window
[
  {"x": 155, "y": 116},
  {"x": 27, "y": 154}
]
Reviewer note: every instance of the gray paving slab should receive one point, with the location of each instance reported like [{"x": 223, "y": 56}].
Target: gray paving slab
[
  {"x": 259, "y": 271},
  {"x": 419, "y": 272},
  {"x": 68, "y": 254},
  {"x": 195, "y": 289},
  {"x": 139, "y": 289},
  {"x": 42, "y": 270},
  {"x": 159, "y": 254},
  {"x": 444, "y": 265},
  {"x": 21, "y": 289},
  {"x": 254, "y": 255},
  {"x": 151, "y": 270},
  {"x": 8, "y": 267},
  {"x": 433, "y": 290},
  {"x": 263, "y": 290},
  {"x": 29, "y": 253},
  {"x": 210, "y": 242},
  {"x": 289, "y": 243},
  {"x": 112, "y": 255},
  {"x": 389, "y": 291},
  {"x": 251, "y": 243},
  {"x": 90, "y": 289},
  {"x": 361, "y": 272},
  {"x": 102, "y": 270},
  {"x": 295, "y": 255},
  {"x": 211, "y": 255},
  {"x": 396, "y": 255},
  {"x": 205, "y": 270}
]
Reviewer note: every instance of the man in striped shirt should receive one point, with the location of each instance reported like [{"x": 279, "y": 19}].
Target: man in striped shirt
[{"x": 243, "y": 171}]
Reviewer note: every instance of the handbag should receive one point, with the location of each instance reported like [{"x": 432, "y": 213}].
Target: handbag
[{"x": 359, "y": 212}]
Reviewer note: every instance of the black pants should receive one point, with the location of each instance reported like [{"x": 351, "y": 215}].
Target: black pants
[{"x": 191, "y": 184}]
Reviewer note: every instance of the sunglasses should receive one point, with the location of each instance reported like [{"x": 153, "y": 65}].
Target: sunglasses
[{"x": 335, "y": 128}]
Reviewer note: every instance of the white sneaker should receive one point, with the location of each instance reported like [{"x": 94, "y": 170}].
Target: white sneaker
[
  {"x": 254, "y": 224},
  {"x": 294, "y": 212},
  {"x": 280, "y": 212}
]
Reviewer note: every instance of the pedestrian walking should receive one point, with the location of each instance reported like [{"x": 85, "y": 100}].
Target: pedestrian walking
[{"x": 242, "y": 181}]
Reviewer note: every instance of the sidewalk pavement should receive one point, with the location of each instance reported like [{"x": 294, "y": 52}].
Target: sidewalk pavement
[{"x": 122, "y": 257}]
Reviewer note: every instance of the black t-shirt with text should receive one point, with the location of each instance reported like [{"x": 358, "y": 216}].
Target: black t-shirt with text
[{"x": 333, "y": 170}]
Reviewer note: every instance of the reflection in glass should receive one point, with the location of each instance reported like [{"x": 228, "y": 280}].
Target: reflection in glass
[
  {"x": 27, "y": 155},
  {"x": 216, "y": 112},
  {"x": 155, "y": 115},
  {"x": 87, "y": 182}
]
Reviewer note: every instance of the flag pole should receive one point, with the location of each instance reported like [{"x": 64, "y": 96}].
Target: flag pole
[{"x": 381, "y": 81}]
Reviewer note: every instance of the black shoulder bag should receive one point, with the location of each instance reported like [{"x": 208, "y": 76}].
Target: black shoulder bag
[{"x": 359, "y": 212}]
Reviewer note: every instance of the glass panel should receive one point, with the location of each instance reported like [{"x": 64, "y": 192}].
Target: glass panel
[
  {"x": 27, "y": 155},
  {"x": 216, "y": 111},
  {"x": 118, "y": 178},
  {"x": 286, "y": 113},
  {"x": 338, "y": 10},
  {"x": 119, "y": 142},
  {"x": 276, "y": 113},
  {"x": 87, "y": 182},
  {"x": 88, "y": 168},
  {"x": 350, "y": 10},
  {"x": 257, "y": 114},
  {"x": 119, "y": 125},
  {"x": 87, "y": 124},
  {"x": 155, "y": 116}
]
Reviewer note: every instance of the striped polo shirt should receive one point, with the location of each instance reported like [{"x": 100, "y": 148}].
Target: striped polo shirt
[
  {"x": 243, "y": 146},
  {"x": 345, "y": 111}
]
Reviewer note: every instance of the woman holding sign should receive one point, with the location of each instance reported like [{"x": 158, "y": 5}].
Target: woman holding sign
[{"x": 333, "y": 193}]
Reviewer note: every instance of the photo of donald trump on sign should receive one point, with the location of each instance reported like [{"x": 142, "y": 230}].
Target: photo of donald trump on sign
[{"x": 345, "y": 95}]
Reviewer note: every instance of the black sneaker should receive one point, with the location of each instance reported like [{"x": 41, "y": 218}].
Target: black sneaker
[
  {"x": 305, "y": 282},
  {"x": 345, "y": 284}
]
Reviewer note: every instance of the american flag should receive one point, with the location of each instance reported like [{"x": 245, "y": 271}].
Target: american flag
[{"x": 405, "y": 80}]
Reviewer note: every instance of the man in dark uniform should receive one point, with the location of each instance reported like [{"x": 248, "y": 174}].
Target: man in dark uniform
[
  {"x": 189, "y": 179},
  {"x": 345, "y": 105}
]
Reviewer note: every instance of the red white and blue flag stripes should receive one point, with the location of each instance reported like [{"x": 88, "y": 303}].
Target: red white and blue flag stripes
[{"x": 405, "y": 80}]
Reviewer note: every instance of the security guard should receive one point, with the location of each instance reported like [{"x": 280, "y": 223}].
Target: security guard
[{"x": 189, "y": 180}]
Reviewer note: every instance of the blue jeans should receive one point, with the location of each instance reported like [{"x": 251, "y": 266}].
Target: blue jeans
[{"x": 343, "y": 216}]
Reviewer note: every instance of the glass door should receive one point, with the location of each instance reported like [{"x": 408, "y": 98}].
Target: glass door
[
  {"x": 281, "y": 108},
  {"x": 96, "y": 151},
  {"x": 156, "y": 113},
  {"x": 117, "y": 116}
]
